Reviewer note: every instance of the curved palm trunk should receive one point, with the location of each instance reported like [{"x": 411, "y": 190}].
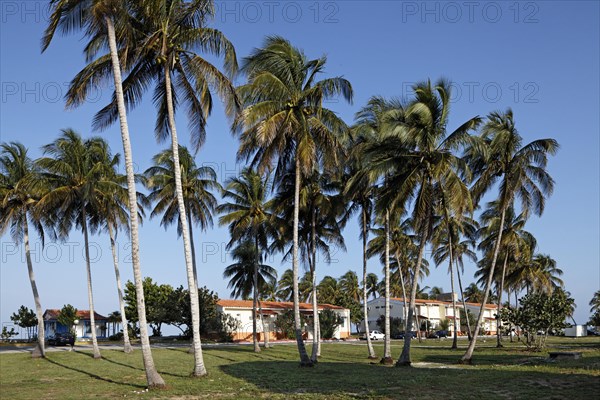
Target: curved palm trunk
[
  {"x": 126, "y": 344},
  {"x": 387, "y": 351},
  {"x": 189, "y": 218},
  {"x": 313, "y": 252},
  {"x": 88, "y": 268},
  {"x": 454, "y": 327},
  {"x": 464, "y": 303},
  {"x": 40, "y": 349},
  {"x": 500, "y": 290},
  {"x": 365, "y": 296},
  {"x": 404, "y": 359},
  {"x": 403, "y": 293},
  {"x": 152, "y": 376},
  {"x": 255, "y": 303},
  {"x": 304, "y": 360},
  {"x": 199, "y": 368},
  {"x": 466, "y": 358}
]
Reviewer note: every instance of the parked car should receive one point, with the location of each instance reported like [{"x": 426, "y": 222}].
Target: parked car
[
  {"x": 401, "y": 335},
  {"x": 438, "y": 334},
  {"x": 61, "y": 339},
  {"x": 374, "y": 335},
  {"x": 592, "y": 332}
]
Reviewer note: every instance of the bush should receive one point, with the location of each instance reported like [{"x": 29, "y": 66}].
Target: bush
[
  {"x": 117, "y": 336},
  {"x": 329, "y": 320}
]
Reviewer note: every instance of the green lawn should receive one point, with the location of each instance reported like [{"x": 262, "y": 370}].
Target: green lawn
[{"x": 343, "y": 372}]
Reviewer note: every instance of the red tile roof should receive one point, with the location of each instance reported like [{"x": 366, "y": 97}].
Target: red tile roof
[
  {"x": 277, "y": 305},
  {"x": 52, "y": 313},
  {"x": 431, "y": 301}
]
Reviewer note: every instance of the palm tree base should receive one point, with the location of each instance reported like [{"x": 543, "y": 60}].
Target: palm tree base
[
  {"x": 372, "y": 357},
  {"x": 97, "y": 357},
  {"x": 37, "y": 352},
  {"x": 465, "y": 361},
  {"x": 128, "y": 349},
  {"x": 403, "y": 363},
  {"x": 387, "y": 361}
]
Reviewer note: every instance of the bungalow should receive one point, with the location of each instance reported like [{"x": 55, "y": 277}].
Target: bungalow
[
  {"x": 82, "y": 325},
  {"x": 241, "y": 310},
  {"x": 429, "y": 311}
]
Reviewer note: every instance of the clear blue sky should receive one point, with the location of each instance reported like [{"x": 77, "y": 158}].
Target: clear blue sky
[{"x": 541, "y": 58}]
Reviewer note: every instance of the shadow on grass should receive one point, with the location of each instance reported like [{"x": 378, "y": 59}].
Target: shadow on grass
[
  {"x": 365, "y": 380},
  {"x": 94, "y": 376}
]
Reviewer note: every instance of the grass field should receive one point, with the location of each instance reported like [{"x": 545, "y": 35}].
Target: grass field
[{"x": 343, "y": 372}]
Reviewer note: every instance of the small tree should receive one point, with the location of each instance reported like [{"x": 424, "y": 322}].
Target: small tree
[
  {"x": 6, "y": 334},
  {"x": 329, "y": 320},
  {"x": 25, "y": 318},
  {"x": 396, "y": 325},
  {"x": 284, "y": 324},
  {"x": 67, "y": 317},
  {"x": 540, "y": 314}
]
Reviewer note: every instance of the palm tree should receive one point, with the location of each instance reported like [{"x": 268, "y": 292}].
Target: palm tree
[
  {"x": 111, "y": 214},
  {"x": 349, "y": 284},
  {"x": 248, "y": 217},
  {"x": 595, "y": 302},
  {"x": 197, "y": 185},
  {"x": 329, "y": 290},
  {"x": 522, "y": 173},
  {"x": 319, "y": 229},
  {"x": 98, "y": 19},
  {"x": 371, "y": 285},
  {"x": 473, "y": 294},
  {"x": 418, "y": 162},
  {"x": 370, "y": 127},
  {"x": 172, "y": 31},
  {"x": 20, "y": 190},
  {"x": 516, "y": 244},
  {"x": 75, "y": 170},
  {"x": 285, "y": 286},
  {"x": 447, "y": 246},
  {"x": 284, "y": 118}
]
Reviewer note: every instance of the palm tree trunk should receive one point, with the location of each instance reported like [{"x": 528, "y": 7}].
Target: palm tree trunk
[
  {"x": 454, "y": 327},
  {"x": 255, "y": 302},
  {"x": 387, "y": 351},
  {"x": 40, "y": 349},
  {"x": 88, "y": 268},
  {"x": 365, "y": 232},
  {"x": 126, "y": 344},
  {"x": 500, "y": 290},
  {"x": 304, "y": 360},
  {"x": 466, "y": 358},
  {"x": 189, "y": 218},
  {"x": 464, "y": 303},
  {"x": 152, "y": 376},
  {"x": 404, "y": 359},
  {"x": 406, "y": 329},
  {"x": 265, "y": 327},
  {"x": 313, "y": 275},
  {"x": 199, "y": 368}
]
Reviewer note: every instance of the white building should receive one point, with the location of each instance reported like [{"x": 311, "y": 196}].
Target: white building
[
  {"x": 242, "y": 311},
  {"x": 432, "y": 312}
]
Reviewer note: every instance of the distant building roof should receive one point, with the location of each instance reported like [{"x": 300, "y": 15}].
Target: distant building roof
[
  {"x": 433, "y": 301},
  {"x": 275, "y": 305},
  {"x": 52, "y": 313}
]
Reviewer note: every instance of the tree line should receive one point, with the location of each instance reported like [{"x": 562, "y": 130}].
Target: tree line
[{"x": 411, "y": 179}]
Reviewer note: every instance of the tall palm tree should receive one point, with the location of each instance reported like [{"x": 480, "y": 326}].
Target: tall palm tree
[
  {"x": 369, "y": 128},
  {"x": 284, "y": 119},
  {"x": 595, "y": 302},
  {"x": 247, "y": 214},
  {"x": 521, "y": 172},
  {"x": 319, "y": 229},
  {"x": 111, "y": 215},
  {"x": 172, "y": 31},
  {"x": 419, "y": 162},
  {"x": 516, "y": 245},
  {"x": 75, "y": 170},
  {"x": 98, "y": 19},
  {"x": 20, "y": 189},
  {"x": 447, "y": 246},
  {"x": 197, "y": 185}
]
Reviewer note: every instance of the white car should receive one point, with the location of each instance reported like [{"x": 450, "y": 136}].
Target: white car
[{"x": 375, "y": 335}]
